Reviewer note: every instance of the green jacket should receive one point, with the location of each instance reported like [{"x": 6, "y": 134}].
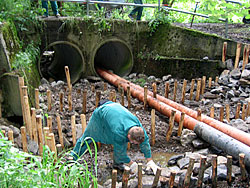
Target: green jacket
[{"x": 110, "y": 124}]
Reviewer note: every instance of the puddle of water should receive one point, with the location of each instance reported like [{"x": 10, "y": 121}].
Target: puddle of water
[{"x": 162, "y": 158}]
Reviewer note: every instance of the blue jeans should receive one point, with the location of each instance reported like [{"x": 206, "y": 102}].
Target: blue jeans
[
  {"x": 137, "y": 9},
  {"x": 53, "y": 6}
]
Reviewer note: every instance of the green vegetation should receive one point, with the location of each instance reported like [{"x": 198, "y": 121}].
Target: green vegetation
[{"x": 20, "y": 169}]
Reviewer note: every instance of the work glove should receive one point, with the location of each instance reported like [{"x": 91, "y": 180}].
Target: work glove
[
  {"x": 134, "y": 168},
  {"x": 152, "y": 165}
]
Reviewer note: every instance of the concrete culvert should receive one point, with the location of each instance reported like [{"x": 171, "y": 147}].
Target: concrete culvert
[
  {"x": 58, "y": 55},
  {"x": 113, "y": 55}
]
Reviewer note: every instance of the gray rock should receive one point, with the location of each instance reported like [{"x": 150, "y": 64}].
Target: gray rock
[
  {"x": 239, "y": 124},
  {"x": 221, "y": 172},
  {"x": 217, "y": 90},
  {"x": 78, "y": 131},
  {"x": 235, "y": 73},
  {"x": 247, "y": 66},
  {"x": 245, "y": 74},
  {"x": 193, "y": 181},
  {"x": 203, "y": 151},
  {"x": 187, "y": 137},
  {"x": 44, "y": 81},
  {"x": 233, "y": 81},
  {"x": 133, "y": 75},
  {"x": 230, "y": 64},
  {"x": 244, "y": 82},
  {"x": 57, "y": 84},
  {"x": 199, "y": 144},
  {"x": 166, "y": 78},
  {"x": 183, "y": 163},
  {"x": 209, "y": 95},
  {"x": 244, "y": 95},
  {"x": 173, "y": 160},
  {"x": 221, "y": 160},
  {"x": 33, "y": 147},
  {"x": 230, "y": 94}
]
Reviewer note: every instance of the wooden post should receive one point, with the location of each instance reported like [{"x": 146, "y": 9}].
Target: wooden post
[
  {"x": 66, "y": 68},
  {"x": 97, "y": 98},
  {"x": 73, "y": 125},
  {"x": 171, "y": 179},
  {"x": 154, "y": 90},
  {"x": 104, "y": 86},
  {"x": 237, "y": 57},
  {"x": 139, "y": 175},
  {"x": 153, "y": 127},
  {"x": 34, "y": 127},
  {"x": 46, "y": 133},
  {"x": 209, "y": 82},
  {"x": 84, "y": 101},
  {"x": 243, "y": 114},
  {"x": 214, "y": 171},
  {"x": 242, "y": 167},
  {"x": 237, "y": 115},
  {"x": 224, "y": 52},
  {"x": 58, "y": 149},
  {"x": 145, "y": 97},
  {"x": 83, "y": 122},
  {"x": 40, "y": 133},
  {"x": 53, "y": 144},
  {"x": 198, "y": 89},
  {"x": 70, "y": 100},
  {"x": 28, "y": 117},
  {"x": 61, "y": 96},
  {"x": 221, "y": 113},
  {"x": 189, "y": 172},
  {"x": 24, "y": 139},
  {"x": 49, "y": 124},
  {"x": 166, "y": 92},
  {"x": 156, "y": 178},
  {"x": 49, "y": 100},
  {"x": 229, "y": 169},
  {"x": 171, "y": 125},
  {"x": 125, "y": 177},
  {"x": 201, "y": 170},
  {"x": 212, "y": 112},
  {"x": 21, "y": 84},
  {"x": 228, "y": 112},
  {"x": 114, "y": 178},
  {"x": 245, "y": 56},
  {"x": 175, "y": 89},
  {"x": 216, "y": 80},
  {"x": 192, "y": 89},
  {"x": 129, "y": 97},
  {"x": 198, "y": 114},
  {"x": 93, "y": 88},
  {"x": 181, "y": 124},
  {"x": 183, "y": 91},
  {"x": 203, "y": 84},
  {"x": 37, "y": 98},
  {"x": 10, "y": 136},
  {"x": 248, "y": 109},
  {"x": 58, "y": 119}
]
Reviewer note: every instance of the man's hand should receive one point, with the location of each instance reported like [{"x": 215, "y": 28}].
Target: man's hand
[
  {"x": 134, "y": 168},
  {"x": 152, "y": 165}
]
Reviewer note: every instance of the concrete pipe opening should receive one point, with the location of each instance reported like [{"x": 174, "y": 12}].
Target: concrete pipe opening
[
  {"x": 56, "y": 56},
  {"x": 113, "y": 55}
]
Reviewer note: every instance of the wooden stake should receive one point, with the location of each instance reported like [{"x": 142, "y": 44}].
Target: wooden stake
[
  {"x": 37, "y": 98},
  {"x": 24, "y": 93},
  {"x": 49, "y": 124},
  {"x": 183, "y": 91},
  {"x": 212, "y": 112},
  {"x": 154, "y": 90},
  {"x": 209, "y": 82},
  {"x": 61, "y": 96},
  {"x": 153, "y": 127},
  {"x": 21, "y": 84},
  {"x": 125, "y": 177},
  {"x": 192, "y": 89},
  {"x": 58, "y": 119},
  {"x": 28, "y": 117},
  {"x": 175, "y": 89},
  {"x": 139, "y": 175},
  {"x": 224, "y": 52},
  {"x": 216, "y": 80},
  {"x": 237, "y": 57},
  {"x": 53, "y": 144},
  {"x": 228, "y": 112},
  {"x": 40, "y": 133},
  {"x": 122, "y": 96},
  {"x": 66, "y": 68},
  {"x": 203, "y": 85},
  {"x": 46, "y": 133},
  {"x": 114, "y": 178},
  {"x": 242, "y": 166},
  {"x": 201, "y": 170},
  {"x": 10, "y": 136},
  {"x": 145, "y": 97},
  {"x": 129, "y": 97},
  {"x": 84, "y": 101},
  {"x": 181, "y": 124},
  {"x": 104, "y": 86},
  {"x": 248, "y": 109},
  {"x": 229, "y": 169},
  {"x": 198, "y": 89},
  {"x": 49, "y": 100},
  {"x": 24, "y": 139},
  {"x": 214, "y": 171},
  {"x": 171, "y": 125},
  {"x": 97, "y": 98},
  {"x": 245, "y": 57},
  {"x": 171, "y": 179},
  {"x": 156, "y": 178},
  {"x": 83, "y": 122},
  {"x": 34, "y": 127},
  {"x": 243, "y": 115},
  {"x": 166, "y": 89},
  {"x": 237, "y": 115},
  {"x": 189, "y": 172},
  {"x": 58, "y": 149},
  {"x": 70, "y": 101},
  {"x": 93, "y": 88},
  {"x": 73, "y": 125},
  {"x": 198, "y": 114},
  {"x": 221, "y": 113}
]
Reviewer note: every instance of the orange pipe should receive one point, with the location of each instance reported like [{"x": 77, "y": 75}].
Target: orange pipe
[{"x": 158, "y": 104}]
